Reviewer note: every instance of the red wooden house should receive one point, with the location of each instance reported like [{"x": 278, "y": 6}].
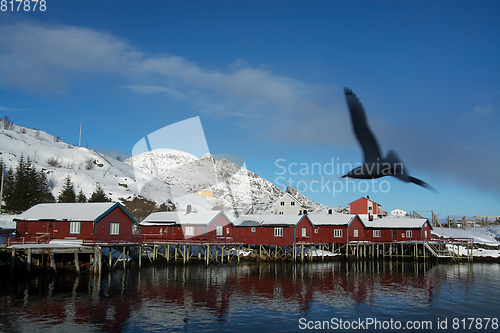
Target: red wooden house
[
  {"x": 274, "y": 229},
  {"x": 365, "y": 206},
  {"x": 177, "y": 226},
  {"x": 336, "y": 228},
  {"x": 396, "y": 229},
  {"x": 97, "y": 220}
]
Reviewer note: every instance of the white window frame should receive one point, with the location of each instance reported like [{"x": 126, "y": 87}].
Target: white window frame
[
  {"x": 219, "y": 230},
  {"x": 425, "y": 233},
  {"x": 278, "y": 232},
  {"x": 304, "y": 232},
  {"x": 377, "y": 233},
  {"x": 337, "y": 233},
  {"x": 114, "y": 228},
  {"x": 252, "y": 229},
  {"x": 292, "y": 203},
  {"x": 282, "y": 203},
  {"x": 188, "y": 231},
  {"x": 316, "y": 230},
  {"x": 74, "y": 228},
  {"x": 355, "y": 233},
  {"x": 409, "y": 234}
]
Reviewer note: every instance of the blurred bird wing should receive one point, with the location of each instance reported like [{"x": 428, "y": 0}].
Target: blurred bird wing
[{"x": 361, "y": 129}]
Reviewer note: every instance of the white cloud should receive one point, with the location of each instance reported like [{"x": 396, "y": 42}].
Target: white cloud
[{"x": 4, "y": 108}]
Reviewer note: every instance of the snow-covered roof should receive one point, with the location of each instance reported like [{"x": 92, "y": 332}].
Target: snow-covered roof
[
  {"x": 162, "y": 218},
  {"x": 391, "y": 222},
  {"x": 91, "y": 211},
  {"x": 267, "y": 219},
  {"x": 331, "y": 219}
]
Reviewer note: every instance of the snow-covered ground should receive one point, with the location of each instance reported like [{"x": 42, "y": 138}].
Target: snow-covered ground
[
  {"x": 486, "y": 240},
  {"x": 485, "y": 235}
]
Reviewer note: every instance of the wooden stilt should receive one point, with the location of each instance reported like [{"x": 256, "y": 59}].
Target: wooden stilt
[
  {"x": 77, "y": 262},
  {"x": 140, "y": 256},
  {"x": 28, "y": 263},
  {"x": 52, "y": 261},
  {"x": 123, "y": 257},
  {"x": 110, "y": 258}
]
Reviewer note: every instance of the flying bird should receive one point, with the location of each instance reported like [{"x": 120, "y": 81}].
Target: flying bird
[{"x": 374, "y": 165}]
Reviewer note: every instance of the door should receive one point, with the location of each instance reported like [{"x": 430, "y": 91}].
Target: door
[{"x": 50, "y": 228}]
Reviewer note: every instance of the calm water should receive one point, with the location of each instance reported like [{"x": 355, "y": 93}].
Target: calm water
[{"x": 257, "y": 297}]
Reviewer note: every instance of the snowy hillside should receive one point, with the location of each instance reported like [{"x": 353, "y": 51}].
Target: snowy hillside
[
  {"x": 87, "y": 168},
  {"x": 158, "y": 175}
]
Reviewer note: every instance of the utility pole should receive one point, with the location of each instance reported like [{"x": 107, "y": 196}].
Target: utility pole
[{"x": 1, "y": 187}]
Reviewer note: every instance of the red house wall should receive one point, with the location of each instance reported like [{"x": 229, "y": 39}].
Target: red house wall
[
  {"x": 264, "y": 235},
  {"x": 220, "y": 220},
  {"x": 356, "y": 224},
  {"x": 385, "y": 235},
  {"x": 116, "y": 215},
  {"x": 359, "y": 206},
  {"x": 167, "y": 233},
  {"x": 427, "y": 227},
  {"x": 326, "y": 234},
  {"x": 55, "y": 229},
  {"x": 306, "y": 224}
]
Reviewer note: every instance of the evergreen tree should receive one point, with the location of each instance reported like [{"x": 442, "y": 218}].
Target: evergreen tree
[
  {"x": 25, "y": 187},
  {"x": 8, "y": 190},
  {"x": 44, "y": 189},
  {"x": 98, "y": 195},
  {"x": 81, "y": 198},
  {"x": 67, "y": 194}
]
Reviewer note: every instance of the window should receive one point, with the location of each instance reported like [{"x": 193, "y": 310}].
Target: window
[
  {"x": 408, "y": 234},
  {"x": 282, "y": 203},
  {"x": 189, "y": 231},
  {"x": 425, "y": 234},
  {"x": 377, "y": 233},
  {"x": 253, "y": 229},
  {"x": 337, "y": 233},
  {"x": 304, "y": 232},
  {"x": 278, "y": 232},
  {"x": 370, "y": 208},
  {"x": 355, "y": 233},
  {"x": 114, "y": 228},
  {"x": 292, "y": 203},
  {"x": 74, "y": 228},
  {"x": 316, "y": 231},
  {"x": 219, "y": 230}
]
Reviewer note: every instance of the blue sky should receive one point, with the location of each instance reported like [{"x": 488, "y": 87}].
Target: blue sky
[{"x": 266, "y": 79}]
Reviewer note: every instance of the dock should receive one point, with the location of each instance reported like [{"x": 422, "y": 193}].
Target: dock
[{"x": 105, "y": 254}]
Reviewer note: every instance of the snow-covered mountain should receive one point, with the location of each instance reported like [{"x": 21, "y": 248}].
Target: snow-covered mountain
[
  {"x": 158, "y": 175},
  {"x": 87, "y": 168},
  {"x": 232, "y": 185}
]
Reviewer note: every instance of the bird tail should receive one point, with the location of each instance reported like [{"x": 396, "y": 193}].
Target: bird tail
[{"x": 422, "y": 183}]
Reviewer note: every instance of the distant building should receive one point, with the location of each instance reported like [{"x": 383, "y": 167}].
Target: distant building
[
  {"x": 398, "y": 212},
  {"x": 209, "y": 194},
  {"x": 288, "y": 205},
  {"x": 366, "y": 207}
]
